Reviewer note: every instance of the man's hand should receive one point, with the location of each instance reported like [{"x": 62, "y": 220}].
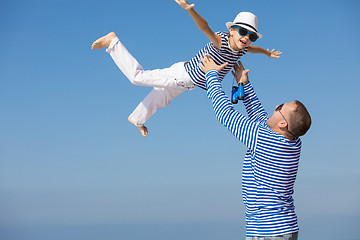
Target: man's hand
[
  {"x": 240, "y": 74},
  {"x": 184, "y": 4},
  {"x": 273, "y": 54},
  {"x": 207, "y": 64}
]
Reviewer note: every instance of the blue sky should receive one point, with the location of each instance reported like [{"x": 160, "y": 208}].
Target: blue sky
[{"x": 69, "y": 157}]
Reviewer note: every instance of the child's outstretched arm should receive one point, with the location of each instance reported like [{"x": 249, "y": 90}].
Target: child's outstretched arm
[
  {"x": 200, "y": 22},
  {"x": 272, "y": 53}
]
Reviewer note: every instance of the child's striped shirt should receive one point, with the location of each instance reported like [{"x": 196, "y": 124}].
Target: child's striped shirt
[{"x": 220, "y": 56}]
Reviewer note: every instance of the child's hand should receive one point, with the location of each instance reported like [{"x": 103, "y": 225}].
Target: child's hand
[
  {"x": 240, "y": 74},
  {"x": 184, "y": 4},
  {"x": 273, "y": 54},
  {"x": 207, "y": 64}
]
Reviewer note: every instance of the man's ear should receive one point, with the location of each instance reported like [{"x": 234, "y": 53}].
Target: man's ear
[{"x": 282, "y": 124}]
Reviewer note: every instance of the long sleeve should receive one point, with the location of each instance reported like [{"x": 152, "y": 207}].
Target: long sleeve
[
  {"x": 255, "y": 110},
  {"x": 240, "y": 126}
]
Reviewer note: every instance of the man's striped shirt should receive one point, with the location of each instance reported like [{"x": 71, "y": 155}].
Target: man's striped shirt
[
  {"x": 220, "y": 56},
  {"x": 270, "y": 165}
]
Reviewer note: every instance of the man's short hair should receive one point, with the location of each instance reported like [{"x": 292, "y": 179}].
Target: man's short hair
[{"x": 300, "y": 120}]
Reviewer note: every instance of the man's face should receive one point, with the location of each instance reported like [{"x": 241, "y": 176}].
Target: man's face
[{"x": 281, "y": 115}]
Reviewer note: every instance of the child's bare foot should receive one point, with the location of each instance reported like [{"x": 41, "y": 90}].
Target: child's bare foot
[
  {"x": 142, "y": 129},
  {"x": 103, "y": 41}
]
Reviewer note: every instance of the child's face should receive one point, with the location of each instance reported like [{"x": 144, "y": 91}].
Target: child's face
[{"x": 238, "y": 42}]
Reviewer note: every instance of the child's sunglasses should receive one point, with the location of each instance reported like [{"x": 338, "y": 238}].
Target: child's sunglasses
[{"x": 243, "y": 32}]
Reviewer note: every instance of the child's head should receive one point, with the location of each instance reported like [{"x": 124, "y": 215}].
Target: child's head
[{"x": 243, "y": 30}]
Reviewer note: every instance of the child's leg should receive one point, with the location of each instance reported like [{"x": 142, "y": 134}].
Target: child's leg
[
  {"x": 157, "y": 98},
  {"x": 134, "y": 71},
  {"x": 161, "y": 97},
  {"x": 168, "y": 83}
]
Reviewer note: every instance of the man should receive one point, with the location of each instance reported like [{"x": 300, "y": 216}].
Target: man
[{"x": 271, "y": 162}]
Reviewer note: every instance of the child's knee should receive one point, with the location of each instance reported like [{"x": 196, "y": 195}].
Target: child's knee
[{"x": 136, "y": 80}]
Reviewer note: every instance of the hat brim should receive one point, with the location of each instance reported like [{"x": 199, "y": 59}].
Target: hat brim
[{"x": 230, "y": 24}]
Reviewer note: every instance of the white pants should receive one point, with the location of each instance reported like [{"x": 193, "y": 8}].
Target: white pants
[{"x": 167, "y": 83}]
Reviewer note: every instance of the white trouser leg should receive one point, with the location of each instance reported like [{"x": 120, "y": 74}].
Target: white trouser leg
[
  {"x": 134, "y": 71},
  {"x": 167, "y": 83},
  {"x": 161, "y": 97},
  {"x": 157, "y": 98}
]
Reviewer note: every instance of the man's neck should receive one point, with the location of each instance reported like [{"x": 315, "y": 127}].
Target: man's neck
[{"x": 281, "y": 132}]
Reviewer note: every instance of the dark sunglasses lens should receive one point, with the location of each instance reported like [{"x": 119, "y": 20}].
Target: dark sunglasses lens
[
  {"x": 278, "y": 108},
  {"x": 253, "y": 37},
  {"x": 243, "y": 31}
]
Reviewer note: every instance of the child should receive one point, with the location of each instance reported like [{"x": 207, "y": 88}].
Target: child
[{"x": 170, "y": 82}]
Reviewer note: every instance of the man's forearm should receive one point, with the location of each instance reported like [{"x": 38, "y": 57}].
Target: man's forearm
[
  {"x": 224, "y": 111},
  {"x": 221, "y": 103},
  {"x": 252, "y": 104}
]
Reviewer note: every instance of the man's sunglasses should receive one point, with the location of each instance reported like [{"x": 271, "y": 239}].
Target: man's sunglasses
[
  {"x": 279, "y": 107},
  {"x": 243, "y": 32}
]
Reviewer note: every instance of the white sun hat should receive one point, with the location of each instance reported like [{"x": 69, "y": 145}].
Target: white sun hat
[{"x": 246, "y": 20}]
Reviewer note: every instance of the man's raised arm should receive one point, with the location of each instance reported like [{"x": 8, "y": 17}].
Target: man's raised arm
[
  {"x": 239, "y": 125},
  {"x": 252, "y": 104}
]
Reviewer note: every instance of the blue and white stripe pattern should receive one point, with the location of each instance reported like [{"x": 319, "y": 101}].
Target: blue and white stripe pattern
[
  {"x": 270, "y": 165},
  {"x": 220, "y": 56}
]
